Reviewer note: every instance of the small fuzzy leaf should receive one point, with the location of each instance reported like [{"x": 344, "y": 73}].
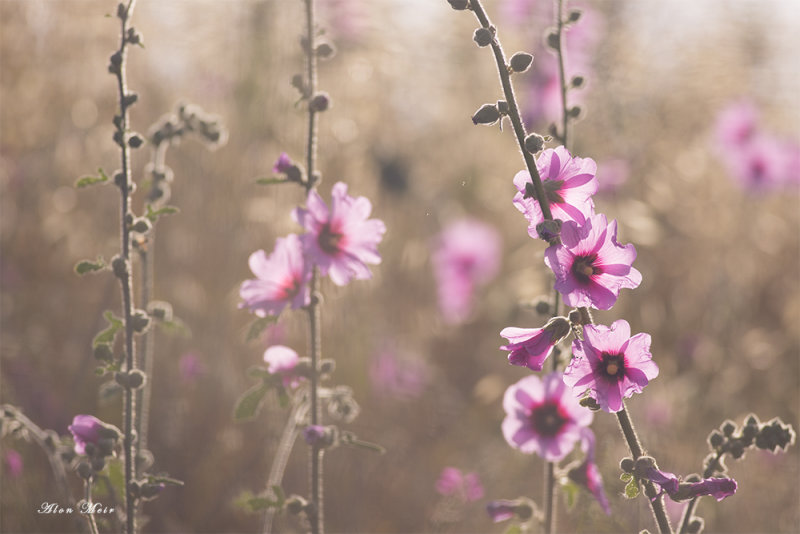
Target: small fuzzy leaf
[
  {"x": 116, "y": 475},
  {"x": 85, "y": 181},
  {"x": 153, "y": 215},
  {"x": 250, "y": 403},
  {"x": 257, "y": 504},
  {"x": 632, "y": 489},
  {"x": 175, "y": 326},
  {"x": 259, "y": 325},
  {"x": 570, "y": 493},
  {"x": 513, "y": 529},
  {"x": 625, "y": 477},
  {"x": 108, "y": 335},
  {"x": 87, "y": 266},
  {"x": 271, "y": 181},
  {"x": 278, "y": 491}
]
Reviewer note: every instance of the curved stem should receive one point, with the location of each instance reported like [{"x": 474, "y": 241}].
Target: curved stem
[
  {"x": 126, "y": 281},
  {"x": 636, "y": 449},
  {"x": 513, "y": 109}
]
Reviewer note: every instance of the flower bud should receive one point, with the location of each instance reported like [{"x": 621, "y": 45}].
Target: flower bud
[
  {"x": 520, "y": 62},
  {"x": 458, "y": 5},
  {"x": 534, "y": 143},
  {"x": 549, "y": 229},
  {"x": 626, "y": 464},
  {"x": 577, "y": 81},
  {"x": 122, "y": 13},
  {"x": 103, "y": 353},
  {"x": 574, "y": 15},
  {"x": 487, "y": 114},
  {"x": 482, "y": 37},
  {"x": 84, "y": 470},
  {"x": 159, "y": 309},
  {"x": 715, "y": 439},
  {"x": 643, "y": 463},
  {"x": 327, "y": 367},
  {"x": 502, "y": 107},
  {"x": 553, "y": 40},
  {"x": 728, "y": 428},
  {"x": 120, "y": 266},
  {"x": 325, "y": 51},
  {"x": 296, "y": 505},
  {"x": 98, "y": 462},
  {"x": 140, "y": 321},
  {"x": 130, "y": 99},
  {"x": 574, "y": 112},
  {"x": 136, "y": 379},
  {"x": 294, "y": 173},
  {"x": 320, "y": 102},
  {"x": 135, "y": 141},
  {"x": 141, "y": 225}
]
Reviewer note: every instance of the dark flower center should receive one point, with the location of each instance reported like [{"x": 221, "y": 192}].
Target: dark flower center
[
  {"x": 291, "y": 288},
  {"x": 329, "y": 240},
  {"x": 583, "y": 268},
  {"x": 547, "y": 419},
  {"x": 613, "y": 365}
]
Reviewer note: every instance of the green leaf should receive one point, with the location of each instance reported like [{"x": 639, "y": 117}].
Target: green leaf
[
  {"x": 279, "y": 495},
  {"x": 108, "y": 335},
  {"x": 632, "y": 489},
  {"x": 258, "y": 371},
  {"x": 625, "y": 477},
  {"x": 85, "y": 181},
  {"x": 257, "y": 504},
  {"x": 116, "y": 476},
  {"x": 570, "y": 493},
  {"x": 87, "y": 266},
  {"x": 176, "y": 327},
  {"x": 283, "y": 397},
  {"x": 250, "y": 403},
  {"x": 258, "y": 326},
  {"x": 513, "y": 529},
  {"x": 153, "y": 215},
  {"x": 271, "y": 181}
]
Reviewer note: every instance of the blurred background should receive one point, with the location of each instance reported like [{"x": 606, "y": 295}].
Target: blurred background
[{"x": 691, "y": 110}]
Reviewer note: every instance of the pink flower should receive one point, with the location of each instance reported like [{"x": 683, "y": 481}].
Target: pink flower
[
  {"x": 91, "y": 435},
  {"x": 668, "y": 483},
  {"x": 283, "y": 164},
  {"x": 568, "y": 182},
  {"x": 282, "y": 361},
  {"x": 281, "y": 278},
  {"x": 466, "y": 255},
  {"x": 761, "y": 164},
  {"x": 501, "y": 510},
  {"x": 736, "y": 124},
  {"x": 466, "y": 486},
  {"x": 13, "y": 461},
  {"x": 400, "y": 377},
  {"x": 191, "y": 367},
  {"x": 542, "y": 417},
  {"x": 610, "y": 364},
  {"x": 590, "y": 266},
  {"x": 530, "y": 347},
  {"x": 587, "y": 474},
  {"x": 341, "y": 240}
]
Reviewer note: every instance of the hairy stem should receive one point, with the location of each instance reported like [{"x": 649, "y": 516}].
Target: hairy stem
[
  {"x": 316, "y": 515},
  {"x": 126, "y": 281},
  {"x": 636, "y": 449},
  {"x": 561, "y": 70},
  {"x": 88, "y": 497}
]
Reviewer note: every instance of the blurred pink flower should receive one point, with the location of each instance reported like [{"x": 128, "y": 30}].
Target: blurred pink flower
[
  {"x": 191, "y": 367},
  {"x": 283, "y": 164},
  {"x": 281, "y": 278},
  {"x": 401, "y": 377},
  {"x": 719, "y": 488},
  {"x": 611, "y": 364},
  {"x": 530, "y": 347},
  {"x": 466, "y": 255},
  {"x": 282, "y": 361},
  {"x": 543, "y": 417},
  {"x": 89, "y": 432},
  {"x": 568, "y": 182},
  {"x": 736, "y": 124},
  {"x": 611, "y": 174},
  {"x": 14, "y": 465},
  {"x": 587, "y": 474},
  {"x": 590, "y": 266},
  {"x": 501, "y": 510},
  {"x": 466, "y": 486},
  {"x": 341, "y": 240}
]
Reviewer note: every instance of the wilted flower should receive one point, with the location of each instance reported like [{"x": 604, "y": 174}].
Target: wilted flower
[
  {"x": 590, "y": 266},
  {"x": 453, "y": 482},
  {"x": 668, "y": 483},
  {"x": 610, "y": 364},
  {"x": 466, "y": 255},
  {"x": 568, "y": 183},
  {"x": 281, "y": 279},
  {"x": 543, "y": 417},
  {"x": 587, "y": 474},
  {"x": 283, "y": 361},
  {"x": 530, "y": 347},
  {"x": 341, "y": 240}
]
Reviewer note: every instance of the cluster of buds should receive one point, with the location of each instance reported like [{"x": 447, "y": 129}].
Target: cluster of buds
[
  {"x": 735, "y": 441},
  {"x": 95, "y": 440}
]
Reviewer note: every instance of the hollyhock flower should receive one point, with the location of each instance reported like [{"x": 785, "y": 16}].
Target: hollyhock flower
[
  {"x": 759, "y": 165},
  {"x": 401, "y": 377},
  {"x": 611, "y": 364},
  {"x": 453, "y": 482},
  {"x": 501, "y": 510},
  {"x": 281, "y": 279},
  {"x": 191, "y": 367},
  {"x": 466, "y": 255},
  {"x": 13, "y": 461},
  {"x": 542, "y": 417},
  {"x": 282, "y": 361},
  {"x": 587, "y": 474},
  {"x": 90, "y": 434},
  {"x": 668, "y": 483},
  {"x": 590, "y": 266},
  {"x": 736, "y": 124},
  {"x": 568, "y": 182},
  {"x": 283, "y": 164},
  {"x": 530, "y": 347},
  {"x": 341, "y": 240}
]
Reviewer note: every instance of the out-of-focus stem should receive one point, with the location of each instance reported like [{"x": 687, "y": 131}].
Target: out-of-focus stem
[
  {"x": 89, "y": 512},
  {"x": 561, "y": 70}
]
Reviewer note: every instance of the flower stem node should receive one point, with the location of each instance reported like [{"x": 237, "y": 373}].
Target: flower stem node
[
  {"x": 135, "y": 488},
  {"x": 627, "y": 465},
  {"x": 150, "y": 490},
  {"x": 141, "y": 225},
  {"x": 296, "y": 505},
  {"x": 520, "y": 62},
  {"x": 319, "y": 436},
  {"x": 534, "y": 143},
  {"x": 130, "y": 380},
  {"x": 459, "y": 5},
  {"x": 695, "y": 525},
  {"x": 487, "y": 114},
  {"x": 98, "y": 463},
  {"x": 120, "y": 266},
  {"x": 483, "y": 37},
  {"x": 325, "y": 51},
  {"x": 320, "y": 102},
  {"x": 135, "y": 141},
  {"x": 130, "y": 99},
  {"x": 140, "y": 321}
]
